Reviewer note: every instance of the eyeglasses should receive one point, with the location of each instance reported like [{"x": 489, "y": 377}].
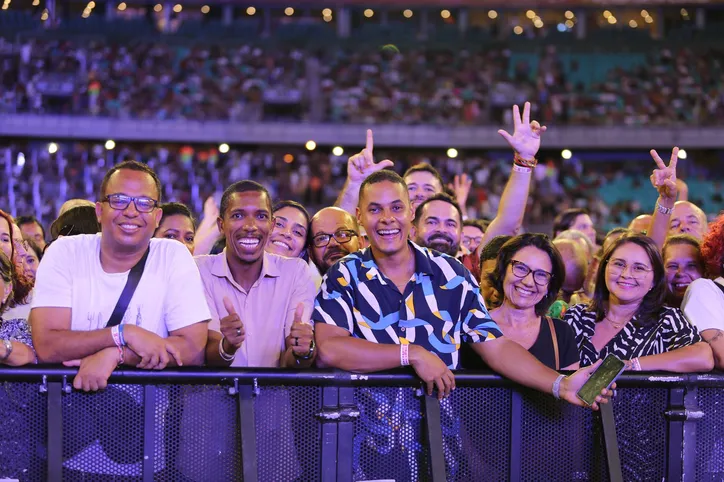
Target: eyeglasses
[
  {"x": 342, "y": 236},
  {"x": 467, "y": 240},
  {"x": 618, "y": 266},
  {"x": 121, "y": 201},
  {"x": 521, "y": 270}
]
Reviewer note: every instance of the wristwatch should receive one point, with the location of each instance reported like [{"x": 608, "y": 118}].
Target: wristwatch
[
  {"x": 8, "y": 350},
  {"x": 309, "y": 355}
]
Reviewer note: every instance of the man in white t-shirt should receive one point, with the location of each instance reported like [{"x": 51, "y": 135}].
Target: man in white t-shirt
[
  {"x": 260, "y": 302},
  {"x": 81, "y": 279}
]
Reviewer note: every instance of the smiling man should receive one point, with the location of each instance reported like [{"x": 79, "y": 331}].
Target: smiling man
[
  {"x": 118, "y": 297},
  {"x": 260, "y": 302},
  {"x": 438, "y": 224},
  {"x": 395, "y": 304},
  {"x": 334, "y": 233}
]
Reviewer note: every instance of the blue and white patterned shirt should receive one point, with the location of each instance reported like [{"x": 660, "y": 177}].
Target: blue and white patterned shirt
[{"x": 440, "y": 308}]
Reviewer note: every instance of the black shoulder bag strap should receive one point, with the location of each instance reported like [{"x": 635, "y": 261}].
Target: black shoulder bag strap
[
  {"x": 134, "y": 276},
  {"x": 719, "y": 286}
]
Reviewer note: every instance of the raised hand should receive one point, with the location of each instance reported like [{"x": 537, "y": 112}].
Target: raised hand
[
  {"x": 231, "y": 326},
  {"x": 363, "y": 164},
  {"x": 211, "y": 210},
  {"x": 301, "y": 333},
  {"x": 526, "y": 136},
  {"x": 461, "y": 187},
  {"x": 664, "y": 177}
]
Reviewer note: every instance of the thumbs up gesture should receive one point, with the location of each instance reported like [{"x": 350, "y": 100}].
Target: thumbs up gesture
[
  {"x": 231, "y": 326},
  {"x": 301, "y": 334}
]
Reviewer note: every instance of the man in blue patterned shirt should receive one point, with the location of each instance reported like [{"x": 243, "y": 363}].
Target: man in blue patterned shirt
[{"x": 396, "y": 303}]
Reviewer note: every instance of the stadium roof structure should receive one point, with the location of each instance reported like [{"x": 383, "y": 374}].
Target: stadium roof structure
[{"x": 475, "y": 3}]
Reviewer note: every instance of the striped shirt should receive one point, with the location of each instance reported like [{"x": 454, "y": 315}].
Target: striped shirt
[
  {"x": 670, "y": 332},
  {"x": 440, "y": 308}
]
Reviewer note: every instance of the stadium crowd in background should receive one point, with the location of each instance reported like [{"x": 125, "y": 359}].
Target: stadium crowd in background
[{"x": 425, "y": 85}]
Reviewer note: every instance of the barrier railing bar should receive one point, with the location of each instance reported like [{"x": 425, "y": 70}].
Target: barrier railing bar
[
  {"x": 247, "y": 426},
  {"x": 55, "y": 431},
  {"x": 330, "y": 377},
  {"x": 610, "y": 441},
  {"x": 516, "y": 416},
  {"x": 149, "y": 432},
  {"x": 328, "y": 420},
  {"x": 345, "y": 435},
  {"x": 433, "y": 435}
]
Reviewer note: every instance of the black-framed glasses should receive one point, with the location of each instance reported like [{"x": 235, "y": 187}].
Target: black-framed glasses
[
  {"x": 521, "y": 270},
  {"x": 342, "y": 236},
  {"x": 121, "y": 201},
  {"x": 638, "y": 270}
]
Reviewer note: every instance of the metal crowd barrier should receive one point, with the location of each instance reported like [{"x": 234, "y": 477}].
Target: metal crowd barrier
[{"x": 197, "y": 424}]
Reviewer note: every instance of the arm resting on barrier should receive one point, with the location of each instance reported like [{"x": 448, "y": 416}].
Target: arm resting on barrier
[
  {"x": 515, "y": 362},
  {"x": 337, "y": 349},
  {"x": 188, "y": 344},
  {"x": 693, "y": 358},
  {"x": 715, "y": 338},
  {"x": 20, "y": 355},
  {"x": 55, "y": 342}
]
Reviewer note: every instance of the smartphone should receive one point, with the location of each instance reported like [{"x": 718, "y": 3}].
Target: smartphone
[{"x": 603, "y": 377}]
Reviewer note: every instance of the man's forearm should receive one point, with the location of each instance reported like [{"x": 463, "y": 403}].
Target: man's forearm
[
  {"x": 511, "y": 208},
  {"x": 57, "y": 346},
  {"x": 356, "y": 355},
  {"x": 515, "y": 362},
  {"x": 349, "y": 197},
  {"x": 659, "y": 227}
]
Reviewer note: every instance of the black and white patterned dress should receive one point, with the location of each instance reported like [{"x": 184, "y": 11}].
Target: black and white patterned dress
[{"x": 672, "y": 331}]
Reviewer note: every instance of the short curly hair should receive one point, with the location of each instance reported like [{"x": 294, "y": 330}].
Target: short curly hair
[{"x": 712, "y": 247}]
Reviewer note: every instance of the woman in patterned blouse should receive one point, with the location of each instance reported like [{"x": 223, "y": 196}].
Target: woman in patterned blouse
[
  {"x": 15, "y": 340},
  {"x": 627, "y": 316}
]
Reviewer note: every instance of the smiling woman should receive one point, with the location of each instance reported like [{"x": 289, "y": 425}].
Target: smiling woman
[
  {"x": 289, "y": 233},
  {"x": 529, "y": 273},
  {"x": 627, "y": 316}
]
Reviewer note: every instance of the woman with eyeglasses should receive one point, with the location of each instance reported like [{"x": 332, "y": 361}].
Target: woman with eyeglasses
[
  {"x": 627, "y": 316},
  {"x": 528, "y": 274}
]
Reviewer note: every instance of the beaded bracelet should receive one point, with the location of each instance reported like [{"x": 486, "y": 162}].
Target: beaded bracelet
[{"x": 518, "y": 160}]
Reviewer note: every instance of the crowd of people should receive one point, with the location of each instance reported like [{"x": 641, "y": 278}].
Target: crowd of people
[
  {"x": 425, "y": 85},
  {"x": 395, "y": 273}
]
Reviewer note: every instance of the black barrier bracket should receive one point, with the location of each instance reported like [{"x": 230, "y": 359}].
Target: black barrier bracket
[
  {"x": 516, "y": 415},
  {"x": 149, "y": 431},
  {"x": 682, "y": 414},
  {"x": 610, "y": 440},
  {"x": 345, "y": 437},
  {"x": 247, "y": 427},
  {"x": 55, "y": 431},
  {"x": 330, "y": 403},
  {"x": 433, "y": 432}
]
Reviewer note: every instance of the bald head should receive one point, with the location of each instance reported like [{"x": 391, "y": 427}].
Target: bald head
[
  {"x": 575, "y": 258},
  {"x": 641, "y": 224},
  {"x": 339, "y": 229},
  {"x": 74, "y": 203},
  {"x": 688, "y": 218}
]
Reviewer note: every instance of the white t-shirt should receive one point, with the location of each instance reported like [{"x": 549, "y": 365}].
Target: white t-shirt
[
  {"x": 703, "y": 304},
  {"x": 168, "y": 297}
]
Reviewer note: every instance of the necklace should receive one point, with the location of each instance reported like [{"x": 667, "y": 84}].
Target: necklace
[{"x": 616, "y": 324}]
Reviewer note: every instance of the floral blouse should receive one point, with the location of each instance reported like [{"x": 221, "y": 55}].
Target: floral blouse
[
  {"x": 672, "y": 331},
  {"x": 16, "y": 329}
]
